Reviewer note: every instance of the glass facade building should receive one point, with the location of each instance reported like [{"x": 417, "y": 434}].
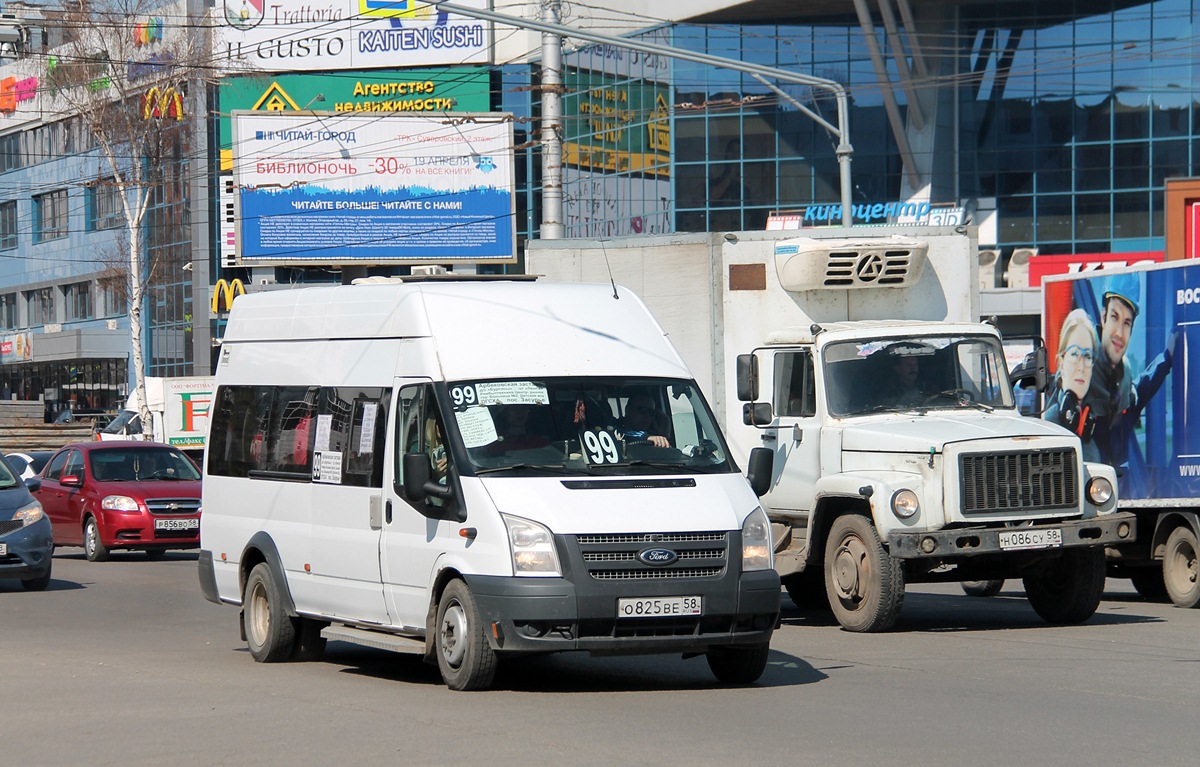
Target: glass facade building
[{"x": 1064, "y": 118}]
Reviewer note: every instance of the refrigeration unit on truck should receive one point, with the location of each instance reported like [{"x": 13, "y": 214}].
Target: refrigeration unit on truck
[
  {"x": 857, "y": 358},
  {"x": 469, "y": 469},
  {"x": 1120, "y": 344}
]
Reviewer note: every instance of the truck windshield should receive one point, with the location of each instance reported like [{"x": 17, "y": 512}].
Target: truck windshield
[
  {"x": 920, "y": 373},
  {"x": 590, "y": 426}
]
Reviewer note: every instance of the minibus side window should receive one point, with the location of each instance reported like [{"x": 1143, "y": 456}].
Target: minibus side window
[
  {"x": 289, "y": 437},
  {"x": 420, "y": 430},
  {"x": 238, "y": 431},
  {"x": 357, "y": 420}
]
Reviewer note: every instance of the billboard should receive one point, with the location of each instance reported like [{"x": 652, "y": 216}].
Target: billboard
[
  {"x": 326, "y": 35},
  {"x": 457, "y": 89},
  {"x": 1118, "y": 341},
  {"x": 1044, "y": 266},
  {"x": 330, "y": 188}
]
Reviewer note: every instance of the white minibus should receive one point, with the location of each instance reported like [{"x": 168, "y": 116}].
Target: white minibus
[{"x": 472, "y": 468}]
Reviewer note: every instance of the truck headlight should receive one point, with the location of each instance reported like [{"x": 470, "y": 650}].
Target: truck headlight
[
  {"x": 1099, "y": 490},
  {"x": 29, "y": 514},
  {"x": 532, "y": 548},
  {"x": 757, "y": 551},
  {"x": 905, "y": 503}
]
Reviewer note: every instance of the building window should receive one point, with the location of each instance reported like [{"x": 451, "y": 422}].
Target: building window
[
  {"x": 80, "y": 301},
  {"x": 8, "y": 311},
  {"x": 8, "y": 225},
  {"x": 41, "y": 306},
  {"x": 50, "y": 215},
  {"x": 104, "y": 205},
  {"x": 112, "y": 296}
]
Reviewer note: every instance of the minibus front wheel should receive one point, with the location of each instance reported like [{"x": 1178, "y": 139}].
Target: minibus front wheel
[{"x": 465, "y": 658}]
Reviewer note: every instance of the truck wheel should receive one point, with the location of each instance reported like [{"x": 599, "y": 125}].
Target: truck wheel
[
  {"x": 1067, "y": 589},
  {"x": 982, "y": 588},
  {"x": 465, "y": 658},
  {"x": 864, "y": 583},
  {"x": 807, "y": 590},
  {"x": 270, "y": 633},
  {"x": 738, "y": 665},
  {"x": 1148, "y": 581},
  {"x": 1180, "y": 572},
  {"x": 93, "y": 548}
]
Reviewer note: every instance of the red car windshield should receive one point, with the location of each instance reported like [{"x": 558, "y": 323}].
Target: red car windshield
[{"x": 140, "y": 464}]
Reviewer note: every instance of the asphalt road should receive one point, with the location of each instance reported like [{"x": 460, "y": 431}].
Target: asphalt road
[{"x": 125, "y": 663}]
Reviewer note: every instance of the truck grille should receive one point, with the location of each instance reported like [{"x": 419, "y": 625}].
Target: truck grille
[
  {"x": 615, "y": 557},
  {"x": 173, "y": 505},
  {"x": 1031, "y": 480}
]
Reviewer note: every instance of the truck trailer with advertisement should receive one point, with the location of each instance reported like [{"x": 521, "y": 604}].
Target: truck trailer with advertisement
[
  {"x": 1121, "y": 346},
  {"x": 856, "y": 356}
]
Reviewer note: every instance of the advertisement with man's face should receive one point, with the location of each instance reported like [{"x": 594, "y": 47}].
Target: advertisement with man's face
[{"x": 1117, "y": 343}]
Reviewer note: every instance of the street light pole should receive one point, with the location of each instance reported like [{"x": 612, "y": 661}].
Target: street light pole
[
  {"x": 552, "y": 124},
  {"x": 844, "y": 150}
]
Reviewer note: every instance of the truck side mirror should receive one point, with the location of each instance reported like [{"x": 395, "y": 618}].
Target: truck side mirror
[
  {"x": 759, "y": 469},
  {"x": 757, "y": 414},
  {"x": 1041, "y": 368},
  {"x": 747, "y": 378}
]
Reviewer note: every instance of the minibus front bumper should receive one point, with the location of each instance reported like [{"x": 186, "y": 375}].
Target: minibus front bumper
[{"x": 554, "y": 614}]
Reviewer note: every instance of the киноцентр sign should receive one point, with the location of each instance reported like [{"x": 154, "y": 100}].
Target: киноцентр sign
[{"x": 332, "y": 188}]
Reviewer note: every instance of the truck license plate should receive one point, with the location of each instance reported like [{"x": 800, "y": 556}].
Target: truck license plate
[
  {"x": 176, "y": 524},
  {"x": 1031, "y": 539},
  {"x": 656, "y": 607}
]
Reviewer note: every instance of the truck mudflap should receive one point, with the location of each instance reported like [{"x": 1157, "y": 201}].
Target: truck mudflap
[
  {"x": 552, "y": 614},
  {"x": 972, "y": 541}
]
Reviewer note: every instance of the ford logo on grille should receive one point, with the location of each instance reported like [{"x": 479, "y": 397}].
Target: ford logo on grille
[{"x": 658, "y": 557}]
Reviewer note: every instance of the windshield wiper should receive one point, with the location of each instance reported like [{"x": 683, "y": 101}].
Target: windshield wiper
[{"x": 552, "y": 468}]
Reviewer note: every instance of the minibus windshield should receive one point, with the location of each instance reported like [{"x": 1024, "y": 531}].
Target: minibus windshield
[{"x": 593, "y": 426}]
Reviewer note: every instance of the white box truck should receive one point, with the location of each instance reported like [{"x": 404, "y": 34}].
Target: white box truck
[
  {"x": 179, "y": 408},
  {"x": 856, "y": 356},
  {"x": 465, "y": 469}
]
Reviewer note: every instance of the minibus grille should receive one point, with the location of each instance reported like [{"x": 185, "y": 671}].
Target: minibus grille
[
  {"x": 1030, "y": 480},
  {"x": 614, "y": 557},
  {"x": 173, "y": 505}
]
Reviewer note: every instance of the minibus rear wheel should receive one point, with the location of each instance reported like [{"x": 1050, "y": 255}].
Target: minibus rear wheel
[
  {"x": 465, "y": 658},
  {"x": 270, "y": 633},
  {"x": 738, "y": 665}
]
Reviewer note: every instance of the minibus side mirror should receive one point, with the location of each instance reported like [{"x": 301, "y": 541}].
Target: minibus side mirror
[
  {"x": 759, "y": 469},
  {"x": 417, "y": 482}
]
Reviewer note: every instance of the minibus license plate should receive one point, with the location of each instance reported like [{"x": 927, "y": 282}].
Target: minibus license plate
[
  {"x": 1031, "y": 539},
  {"x": 657, "y": 607},
  {"x": 176, "y": 524}
]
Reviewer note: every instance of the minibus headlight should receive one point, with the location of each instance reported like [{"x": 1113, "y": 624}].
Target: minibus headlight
[
  {"x": 1099, "y": 491},
  {"x": 757, "y": 551},
  {"x": 905, "y": 503},
  {"x": 532, "y": 547}
]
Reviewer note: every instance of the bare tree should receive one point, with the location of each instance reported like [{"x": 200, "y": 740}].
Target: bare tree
[{"x": 124, "y": 69}]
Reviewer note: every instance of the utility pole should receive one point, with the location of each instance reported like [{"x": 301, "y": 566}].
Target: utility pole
[{"x": 552, "y": 124}]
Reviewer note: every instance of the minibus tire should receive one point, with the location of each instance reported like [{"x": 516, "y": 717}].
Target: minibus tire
[
  {"x": 310, "y": 645},
  {"x": 464, "y": 657},
  {"x": 270, "y": 633},
  {"x": 738, "y": 665}
]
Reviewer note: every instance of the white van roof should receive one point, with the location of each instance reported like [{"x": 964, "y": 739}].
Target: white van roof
[{"x": 482, "y": 329}]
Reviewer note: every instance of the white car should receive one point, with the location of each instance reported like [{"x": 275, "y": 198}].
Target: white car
[{"x": 26, "y": 465}]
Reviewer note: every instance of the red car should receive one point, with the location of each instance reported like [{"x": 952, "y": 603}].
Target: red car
[{"x": 122, "y": 495}]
